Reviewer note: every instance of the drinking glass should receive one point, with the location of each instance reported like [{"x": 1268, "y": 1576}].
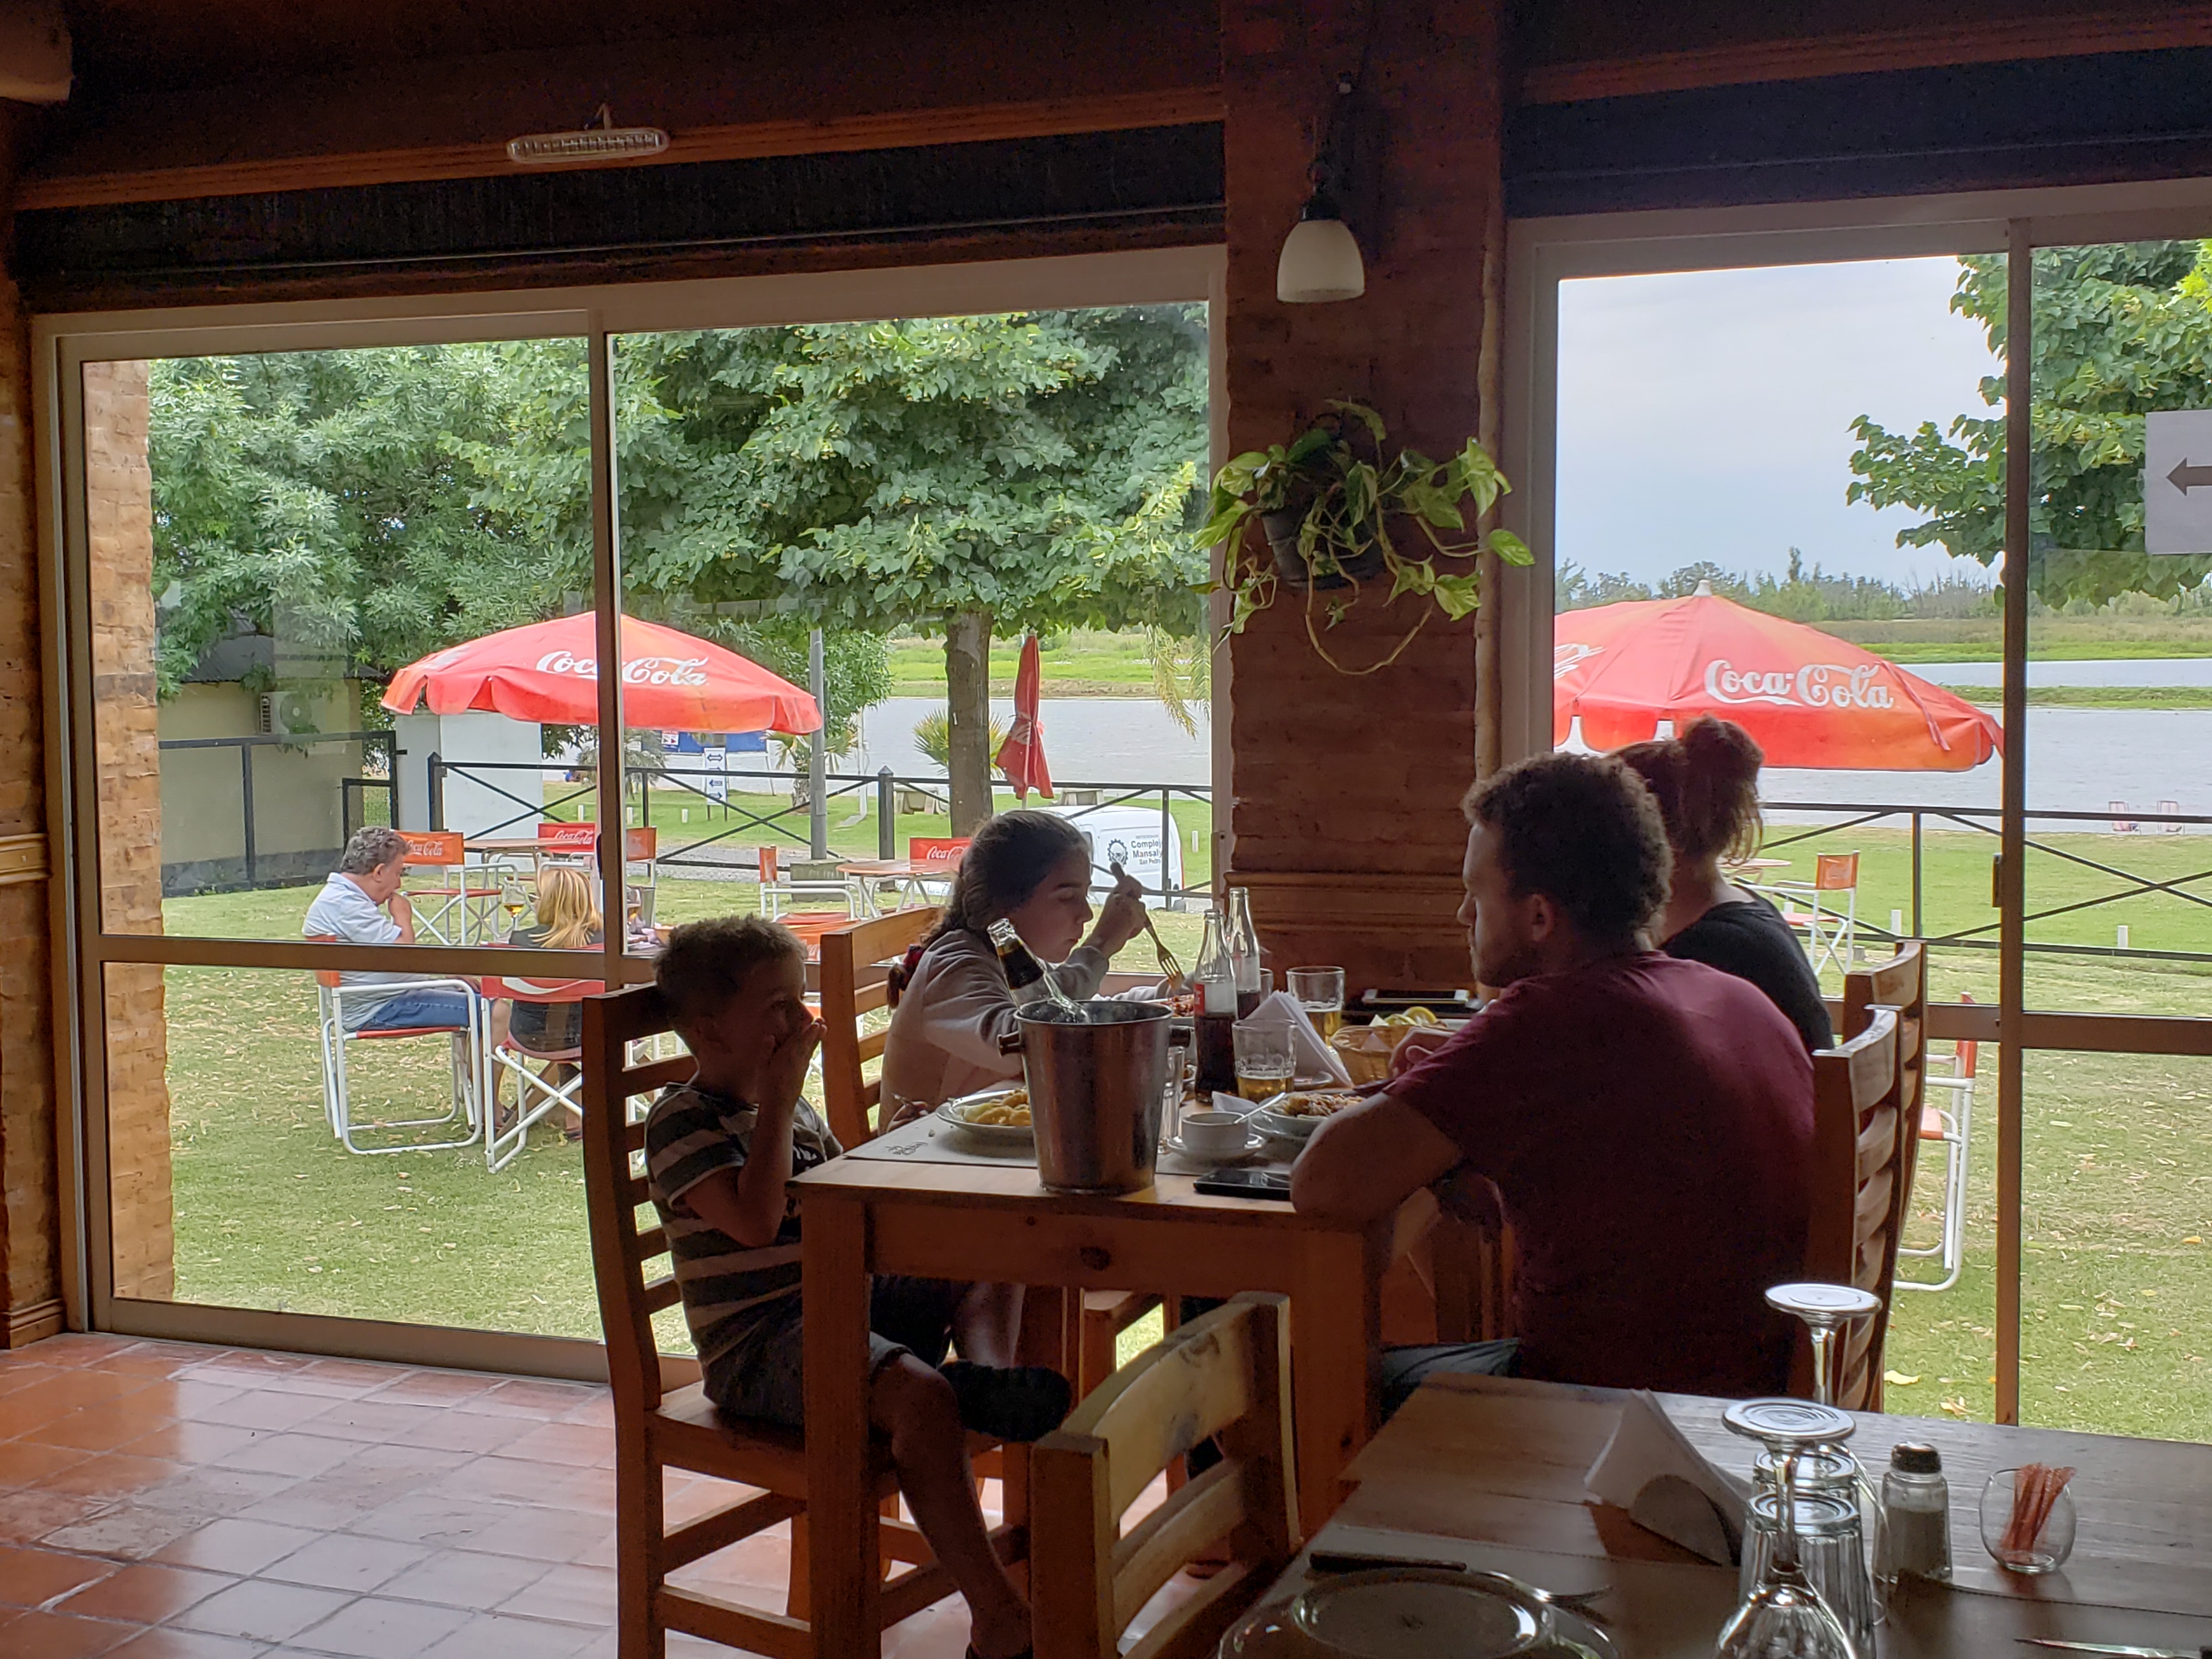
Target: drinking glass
[
  {"x": 1320, "y": 992},
  {"x": 1266, "y": 1060},
  {"x": 1808, "y": 1438},
  {"x": 1784, "y": 1616}
]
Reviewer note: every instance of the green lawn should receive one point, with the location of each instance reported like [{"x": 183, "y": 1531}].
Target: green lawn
[
  {"x": 1084, "y": 662},
  {"x": 2095, "y": 696},
  {"x": 271, "y": 1213}
]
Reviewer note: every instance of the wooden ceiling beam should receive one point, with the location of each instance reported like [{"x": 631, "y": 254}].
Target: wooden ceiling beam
[
  {"x": 2181, "y": 24},
  {"x": 889, "y": 130}
]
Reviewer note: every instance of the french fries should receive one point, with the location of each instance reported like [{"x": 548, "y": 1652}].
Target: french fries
[{"x": 1009, "y": 1111}]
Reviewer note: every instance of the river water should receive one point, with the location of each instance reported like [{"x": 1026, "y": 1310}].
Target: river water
[{"x": 2078, "y": 759}]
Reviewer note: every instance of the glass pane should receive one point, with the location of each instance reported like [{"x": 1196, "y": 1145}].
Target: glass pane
[
  {"x": 2119, "y": 878},
  {"x": 2115, "y": 1294},
  {"x": 273, "y": 539},
  {"x": 1802, "y": 598},
  {"x": 231, "y": 1183},
  {"x": 913, "y": 489}
]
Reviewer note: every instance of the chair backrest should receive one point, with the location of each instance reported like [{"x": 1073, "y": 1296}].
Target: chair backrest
[
  {"x": 768, "y": 868},
  {"x": 441, "y": 848},
  {"x": 623, "y": 1248},
  {"x": 1899, "y": 984},
  {"x": 1856, "y": 1175},
  {"x": 546, "y": 991},
  {"x": 325, "y": 977},
  {"x": 1836, "y": 872},
  {"x": 945, "y": 850},
  {"x": 1226, "y": 1373},
  {"x": 568, "y": 837},
  {"x": 854, "y": 959},
  {"x": 1968, "y": 1049},
  {"x": 641, "y": 845}
]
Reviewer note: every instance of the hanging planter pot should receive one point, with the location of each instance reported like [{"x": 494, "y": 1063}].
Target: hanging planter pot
[{"x": 1333, "y": 568}]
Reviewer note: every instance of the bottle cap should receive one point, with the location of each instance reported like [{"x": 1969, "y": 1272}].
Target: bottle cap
[{"x": 1914, "y": 1458}]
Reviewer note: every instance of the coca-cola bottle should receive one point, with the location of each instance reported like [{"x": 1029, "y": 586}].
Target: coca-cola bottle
[
  {"x": 1028, "y": 979},
  {"x": 1214, "y": 980}
]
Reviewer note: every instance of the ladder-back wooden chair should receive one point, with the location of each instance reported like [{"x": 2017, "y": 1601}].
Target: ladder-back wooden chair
[
  {"x": 1227, "y": 1372},
  {"x": 663, "y": 1419},
  {"x": 1857, "y": 1168},
  {"x": 1900, "y": 983},
  {"x": 855, "y": 962}
]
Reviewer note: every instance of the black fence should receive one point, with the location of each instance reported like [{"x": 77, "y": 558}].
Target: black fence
[{"x": 363, "y": 799}]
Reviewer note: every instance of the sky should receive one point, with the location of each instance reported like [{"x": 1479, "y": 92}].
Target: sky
[{"x": 1706, "y": 414}]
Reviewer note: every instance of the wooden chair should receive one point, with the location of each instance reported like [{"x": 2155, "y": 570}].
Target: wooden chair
[
  {"x": 854, "y": 971},
  {"x": 1227, "y": 1373},
  {"x": 1900, "y": 983},
  {"x": 663, "y": 1419},
  {"x": 1856, "y": 1174}
]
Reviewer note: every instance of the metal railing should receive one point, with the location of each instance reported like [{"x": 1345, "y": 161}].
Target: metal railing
[
  {"x": 1986, "y": 821},
  {"x": 711, "y": 785}
]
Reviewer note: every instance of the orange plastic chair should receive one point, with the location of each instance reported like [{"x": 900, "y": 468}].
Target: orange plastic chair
[{"x": 457, "y": 914}]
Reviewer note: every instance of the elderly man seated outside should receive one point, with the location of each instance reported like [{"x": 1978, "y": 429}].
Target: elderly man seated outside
[
  {"x": 1647, "y": 1120},
  {"x": 361, "y": 903}
]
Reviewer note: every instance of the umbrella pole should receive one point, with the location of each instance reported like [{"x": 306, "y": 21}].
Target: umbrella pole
[{"x": 818, "y": 794}]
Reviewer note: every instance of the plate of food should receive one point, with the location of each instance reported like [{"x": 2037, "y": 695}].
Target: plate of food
[
  {"x": 1296, "y": 1113},
  {"x": 1002, "y": 1114}
]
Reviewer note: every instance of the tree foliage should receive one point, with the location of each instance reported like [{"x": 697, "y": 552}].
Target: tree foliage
[{"x": 2118, "y": 331}]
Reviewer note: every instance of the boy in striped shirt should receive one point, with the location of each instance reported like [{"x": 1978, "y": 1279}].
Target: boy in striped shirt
[{"x": 721, "y": 1152}]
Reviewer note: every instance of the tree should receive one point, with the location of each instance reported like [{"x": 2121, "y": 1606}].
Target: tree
[
  {"x": 965, "y": 475},
  {"x": 2118, "y": 331}
]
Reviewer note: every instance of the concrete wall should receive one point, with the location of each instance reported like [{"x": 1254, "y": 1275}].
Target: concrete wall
[
  {"x": 119, "y": 528},
  {"x": 298, "y": 805},
  {"x": 473, "y": 803}
]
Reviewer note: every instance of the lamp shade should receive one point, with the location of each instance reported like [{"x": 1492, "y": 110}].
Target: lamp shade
[{"x": 1320, "y": 262}]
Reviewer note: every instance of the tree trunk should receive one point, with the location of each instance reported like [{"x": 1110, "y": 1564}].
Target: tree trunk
[{"x": 967, "y": 698}]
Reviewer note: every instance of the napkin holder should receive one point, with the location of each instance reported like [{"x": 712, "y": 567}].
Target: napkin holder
[{"x": 1650, "y": 1470}]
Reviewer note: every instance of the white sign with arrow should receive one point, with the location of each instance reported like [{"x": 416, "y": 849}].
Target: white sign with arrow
[{"x": 2177, "y": 480}]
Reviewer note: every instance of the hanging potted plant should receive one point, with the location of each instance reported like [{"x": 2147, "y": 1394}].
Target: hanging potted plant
[{"x": 1338, "y": 518}]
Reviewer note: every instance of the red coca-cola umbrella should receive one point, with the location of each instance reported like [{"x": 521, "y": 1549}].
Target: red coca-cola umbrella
[
  {"x": 1808, "y": 698},
  {"x": 1021, "y": 757},
  {"x": 548, "y": 672}
]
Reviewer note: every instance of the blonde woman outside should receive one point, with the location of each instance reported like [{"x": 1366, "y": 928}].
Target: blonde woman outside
[{"x": 568, "y": 919}]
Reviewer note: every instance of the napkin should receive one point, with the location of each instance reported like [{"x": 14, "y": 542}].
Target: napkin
[
  {"x": 1651, "y": 1470},
  {"x": 1312, "y": 1054}
]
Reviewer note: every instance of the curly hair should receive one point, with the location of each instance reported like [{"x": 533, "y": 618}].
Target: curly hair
[
  {"x": 371, "y": 847},
  {"x": 1706, "y": 783},
  {"x": 1583, "y": 832},
  {"x": 706, "y": 963}
]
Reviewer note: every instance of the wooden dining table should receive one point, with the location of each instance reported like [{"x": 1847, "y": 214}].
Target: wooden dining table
[
  {"x": 880, "y": 1211},
  {"x": 1489, "y": 1473}
]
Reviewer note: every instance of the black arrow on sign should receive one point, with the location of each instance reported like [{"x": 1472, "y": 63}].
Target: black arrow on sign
[{"x": 2184, "y": 476}]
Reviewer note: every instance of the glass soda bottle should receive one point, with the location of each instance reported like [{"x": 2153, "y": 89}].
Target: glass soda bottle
[
  {"x": 1026, "y": 977},
  {"x": 1214, "y": 980}
]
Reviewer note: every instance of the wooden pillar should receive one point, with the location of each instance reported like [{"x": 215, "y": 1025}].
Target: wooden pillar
[
  {"x": 1346, "y": 819},
  {"x": 30, "y": 1230}
]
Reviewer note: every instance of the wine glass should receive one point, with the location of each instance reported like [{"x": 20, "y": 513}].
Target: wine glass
[
  {"x": 1783, "y": 1617},
  {"x": 1836, "y": 1515},
  {"x": 1826, "y": 1310}
]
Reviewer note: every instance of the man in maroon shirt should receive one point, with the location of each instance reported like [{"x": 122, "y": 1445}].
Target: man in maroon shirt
[{"x": 1647, "y": 1120}]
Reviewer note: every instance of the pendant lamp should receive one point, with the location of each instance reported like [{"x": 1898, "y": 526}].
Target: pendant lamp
[{"x": 1321, "y": 260}]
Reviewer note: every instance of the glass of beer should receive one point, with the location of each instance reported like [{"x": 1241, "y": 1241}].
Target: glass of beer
[
  {"x": 1320, "y": 992},
  {"x": 1265, "y": 1060}
]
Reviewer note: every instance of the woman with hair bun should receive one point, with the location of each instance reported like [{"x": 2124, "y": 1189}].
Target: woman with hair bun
[{"x": 1706, "y": 783}]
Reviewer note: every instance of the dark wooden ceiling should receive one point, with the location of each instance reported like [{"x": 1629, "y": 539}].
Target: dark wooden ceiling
[{"x": 125, "y": 46}]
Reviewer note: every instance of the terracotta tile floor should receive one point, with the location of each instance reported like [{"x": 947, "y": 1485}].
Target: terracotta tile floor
[{"x": 160, "y": 1500}]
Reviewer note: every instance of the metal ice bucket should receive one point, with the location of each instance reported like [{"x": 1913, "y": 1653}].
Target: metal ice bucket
[{"x": 1097, "y": 1087}]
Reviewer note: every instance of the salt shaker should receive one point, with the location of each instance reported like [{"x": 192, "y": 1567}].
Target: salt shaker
[{"x": 1916, "y": 1502}]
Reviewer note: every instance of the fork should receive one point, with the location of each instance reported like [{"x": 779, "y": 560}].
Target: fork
[{"x": 1178, "y": 982}]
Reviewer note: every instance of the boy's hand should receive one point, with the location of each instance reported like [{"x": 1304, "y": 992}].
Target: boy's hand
[{"x": 783, "y": 1078}]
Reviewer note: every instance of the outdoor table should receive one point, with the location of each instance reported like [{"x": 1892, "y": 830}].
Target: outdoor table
[
  {"x": 897, "y": 1205},
  {"x": 1489, "y": 1471},
  {"x": 905, "y": 874}
]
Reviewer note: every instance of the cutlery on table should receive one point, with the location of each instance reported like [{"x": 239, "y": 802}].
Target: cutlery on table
[
  {"x": 1177, "y": 983},
  {"x": 1575, "y": 1602},
  {"x": 2117, "y": 1648}
]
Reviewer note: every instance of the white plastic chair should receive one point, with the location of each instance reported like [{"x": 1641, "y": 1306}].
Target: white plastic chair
[
  {"x": 1953, "y": 1127},
  {"x": 776, "y": 893},
  {"x": 2171, "y": 808},
  {"x": 470, "y": 1096}
]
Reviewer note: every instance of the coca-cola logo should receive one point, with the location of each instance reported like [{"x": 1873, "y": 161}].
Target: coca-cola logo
[
  {"x": 638, "y": 670},
  {"x": 1569, "y": 656},
  {"x": 1816, "y": 685}
]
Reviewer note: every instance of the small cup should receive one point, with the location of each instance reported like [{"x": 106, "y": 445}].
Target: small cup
[
  {"x": 2052, "y": 1545},
  {"x": 1214, "y": 1134}
]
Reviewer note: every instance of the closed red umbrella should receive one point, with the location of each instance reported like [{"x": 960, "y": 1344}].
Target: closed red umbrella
[
  {"x": 548, "y": 672},
  {"x": 1021, "y": 757},
  {"x": 1808, "y": 698}
]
